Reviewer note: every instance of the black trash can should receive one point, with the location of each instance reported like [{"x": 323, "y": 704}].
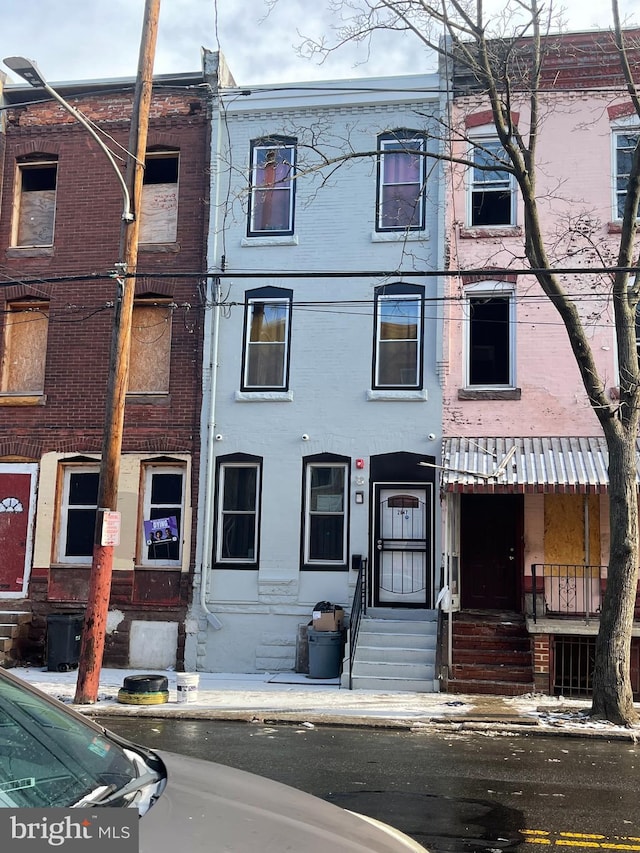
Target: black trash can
[
  {"x": 64, "y": 633},
  {"x": 325, "y": 653}
]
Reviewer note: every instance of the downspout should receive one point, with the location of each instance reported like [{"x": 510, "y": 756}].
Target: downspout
[{"x": 210, "y": 363}]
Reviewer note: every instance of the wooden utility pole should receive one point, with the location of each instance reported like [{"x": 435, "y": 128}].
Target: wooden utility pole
[{"x": 95, "y": 621}]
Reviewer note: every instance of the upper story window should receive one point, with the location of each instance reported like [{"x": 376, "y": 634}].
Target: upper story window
[
  {"x": 77, "y": 513},
  {"x": 24, "y": 347},
  {"x": 159, "y": 209},
  {"x": 490, "y": 336},
  {"x": 150, "y": 353},
  {"x": 237, "y": 510},
  {"x": 491, "y": 190},
  {"x": 325, "y": 511},
  {"x": 625, "y": 145},
  {"x": 398, "y": 336},
  {"x": 35, "y": 201},
  {"x": 271, "y": 202},
  {"x": 266, "y": 334},
  {"x": 401, "y": 181}
]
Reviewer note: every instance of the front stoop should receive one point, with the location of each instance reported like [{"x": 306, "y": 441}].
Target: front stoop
[
  {"x": 395, "y": 652},
  {"x": 492, "y": 654},
  {"x": 13, "y": 629}
]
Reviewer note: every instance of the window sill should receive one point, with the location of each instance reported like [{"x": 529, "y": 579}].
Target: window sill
[
  {"x": 166, "y": 568},
  {"x": 22, "y": 399},
  {"x": 489, "y": 393},
  {"x": 148, "y": 399},
  {"x": 480, "y": 232},
  {"x": 30, "y": 252},
  {"x": 614, "y": 227},
  {"x": 413, "y": 396},
  {"x": 399, "y": 236},
  {"x": 167, "y": 248},
  {"x": 323, "y": 567},
  {"x": 285, "y": 240},
  {"x": 264, "y": 396}
]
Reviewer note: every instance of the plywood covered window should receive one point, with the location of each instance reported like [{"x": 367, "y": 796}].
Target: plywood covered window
[
  {"x": 35, "y": 202},
  {"x": 150, "y": 357},
  {"x": 159, "y": 213},
  {"x": 24, "y": 350}
]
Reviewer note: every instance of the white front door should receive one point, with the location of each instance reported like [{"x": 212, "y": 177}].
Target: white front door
[{"x": 402, "y": 547}]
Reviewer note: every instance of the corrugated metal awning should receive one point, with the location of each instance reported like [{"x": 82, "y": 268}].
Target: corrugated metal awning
[{"x": 563, "y": 465}]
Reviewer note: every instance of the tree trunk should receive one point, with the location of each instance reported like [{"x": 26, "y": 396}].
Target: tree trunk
[{"x": 612, "y": 694}]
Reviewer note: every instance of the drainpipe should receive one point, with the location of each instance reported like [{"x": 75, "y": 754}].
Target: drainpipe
[{"x": 210, "y": 363}]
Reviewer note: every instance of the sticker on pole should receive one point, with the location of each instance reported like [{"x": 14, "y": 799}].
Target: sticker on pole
[{"x": 110, "y": 528}]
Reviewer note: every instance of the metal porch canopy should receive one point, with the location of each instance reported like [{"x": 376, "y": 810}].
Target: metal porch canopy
[{"x": 567, "y": 465}]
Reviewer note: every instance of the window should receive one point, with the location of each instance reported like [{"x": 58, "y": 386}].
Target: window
[
  {"x": 35, "y": 202},
  {"x": 238, "y": 502},
  {"x": 24, "y": 351},
  {"x": 163, "y": 498},
  {"x": 150, "y": 356},
  {"x": 159, "y": 209},
  {"x": 325, "y": 516},
  {"x": 78, "y": 514},
  {"x": 272, "y": 187},
  {"x": 266, "y": 336},
  {"x": 401, "y": 180},
  {"x": 492, "y": 196},
  {"x": 625, "y": 144},
  {"x": 490, "y": 343},
  {"x": 398, "y": 336}
]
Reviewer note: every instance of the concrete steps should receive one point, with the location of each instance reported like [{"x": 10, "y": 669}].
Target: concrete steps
[
  {"x": 396, "y": 651},
  {"x": 13, "y": 627}
]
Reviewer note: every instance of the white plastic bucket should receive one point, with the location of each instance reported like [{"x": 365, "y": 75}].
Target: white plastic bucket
[{"x": 187, "y": 686}]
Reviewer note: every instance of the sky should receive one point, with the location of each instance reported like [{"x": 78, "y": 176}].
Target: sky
[{"x": 94, "y": 39}]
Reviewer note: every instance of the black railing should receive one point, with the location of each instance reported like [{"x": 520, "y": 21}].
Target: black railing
[
  {"x": 358, "y": 609},
  {"x": 567, "y": 591}
]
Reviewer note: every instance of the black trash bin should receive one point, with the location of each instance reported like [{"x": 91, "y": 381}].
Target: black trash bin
[
  {"x": 325, "y": 653},
  {"x": 64, "y": 632}
]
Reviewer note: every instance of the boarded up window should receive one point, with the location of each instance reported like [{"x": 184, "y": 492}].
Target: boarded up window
[
  {"x": 25, "y": 348},
  {"x": 150, "y": 348},
  {"x": 36, "y": 203},
  {"x": 159, "y": 214}
]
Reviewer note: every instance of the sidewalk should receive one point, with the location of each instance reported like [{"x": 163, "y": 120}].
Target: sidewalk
[{"x": 294, "y": 698}]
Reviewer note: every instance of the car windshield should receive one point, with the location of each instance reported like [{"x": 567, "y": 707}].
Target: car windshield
[{"x": 50, "y": 759}]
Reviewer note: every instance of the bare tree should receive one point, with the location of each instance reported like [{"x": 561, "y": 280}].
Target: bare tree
[{"x": 502, "y": 58}]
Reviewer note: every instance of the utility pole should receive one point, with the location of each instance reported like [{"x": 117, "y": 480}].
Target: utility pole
[{"x": 95, "y": 620}]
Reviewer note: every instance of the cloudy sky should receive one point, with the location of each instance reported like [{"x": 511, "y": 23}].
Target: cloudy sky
[{"x": 91, "y": 39}]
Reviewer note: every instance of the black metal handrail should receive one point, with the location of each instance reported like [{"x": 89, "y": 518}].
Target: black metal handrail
[
  {"x": 567, "y": 590},
  {"x": 358, "y": 608}
]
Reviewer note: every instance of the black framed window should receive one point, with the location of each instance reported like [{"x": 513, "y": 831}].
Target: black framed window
[
  {"x": 401, "y": 181},
  {"x": 326, "y": 481},
  {"x": 238, "y": 504},
  {"x": 399, "y": 312},
  {"x": 272, "y": 193},
  {"x": 267, "y": 334}
]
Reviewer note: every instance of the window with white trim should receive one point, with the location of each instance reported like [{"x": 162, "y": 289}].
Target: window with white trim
[
  {"x": 490, "y": 338},
  {"x": 401, "y": 181},
  {"x": 271, "y": 198},
  {"x": 491, "y": 189},
  {"x": 267, "y": 333},
  {"x": 163, "y": 498},
  {"x": 238, "y": 503},
  {"x": 625, "y": 145},
  {"x": 398, "y": 336},
  {"x": 159, "y": 207},
  {"x": 24, "y": 350},
  {"x": 77, "y": 513},
  {"x": 35, "y": 201},
  {"x": 326, "y": 483}
]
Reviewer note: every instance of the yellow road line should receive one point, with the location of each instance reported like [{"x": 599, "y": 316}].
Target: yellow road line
[{"x": 583, "y": 840}]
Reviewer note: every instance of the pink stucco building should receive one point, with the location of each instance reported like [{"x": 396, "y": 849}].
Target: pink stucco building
[{"x": 524, "y": 460}]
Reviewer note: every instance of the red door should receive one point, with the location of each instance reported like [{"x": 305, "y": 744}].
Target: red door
[
  {"x": 491, "y": 551},
  {"x": 16, "y": 512}
]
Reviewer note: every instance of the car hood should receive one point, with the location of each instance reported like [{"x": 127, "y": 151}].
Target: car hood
[{"x": 209, "y": 807}]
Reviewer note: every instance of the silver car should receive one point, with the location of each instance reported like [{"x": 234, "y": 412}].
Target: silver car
[{"x": 51, "y": 757}]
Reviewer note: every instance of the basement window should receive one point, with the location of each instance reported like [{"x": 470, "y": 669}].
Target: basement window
[
  {"x": 159, "y": 213},
  {"x": 35, "y": 202}
]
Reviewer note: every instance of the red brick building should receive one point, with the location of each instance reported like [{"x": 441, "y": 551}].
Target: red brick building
[{"x": 60, "y": 223}]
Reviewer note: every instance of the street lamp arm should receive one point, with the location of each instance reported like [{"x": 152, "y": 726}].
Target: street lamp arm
[{"x": 29, "y": 71}]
